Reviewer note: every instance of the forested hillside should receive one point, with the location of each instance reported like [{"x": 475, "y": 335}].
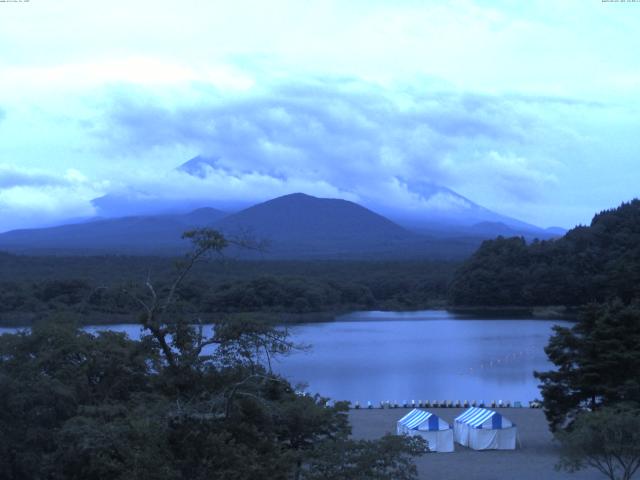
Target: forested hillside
[
  {"x": 96, "y": 287},
  {"x": 589, "y": 264}
]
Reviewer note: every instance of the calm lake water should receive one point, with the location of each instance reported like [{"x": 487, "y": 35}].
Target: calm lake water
[{"x": 428, "y": 355}]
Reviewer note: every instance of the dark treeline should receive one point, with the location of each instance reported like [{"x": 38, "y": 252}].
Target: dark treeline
[
  {"x": 97, "y": 288},
  {"x": 589, "y": 264}
]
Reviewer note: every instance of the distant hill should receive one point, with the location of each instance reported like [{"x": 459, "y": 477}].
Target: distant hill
[
  {"x": 302, "y": 225},
  {"x": 295, "y": 226},
  {"x": 598, "y": 262},
  {"x": 133, "y": 235},
  {"x": 556, "y": 231},
  {"x": 494, "y": 229},
  {"x": 447, "y": 213}
]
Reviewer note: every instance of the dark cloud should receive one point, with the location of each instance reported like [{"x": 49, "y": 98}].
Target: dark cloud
[
  {"x": 333, "y": 108},
  {"x": 349, "y": 133}
]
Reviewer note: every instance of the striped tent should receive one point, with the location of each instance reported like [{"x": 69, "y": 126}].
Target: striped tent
[
  {"x": 429, "y": 426},
  {"x": 483, "y": 429}
]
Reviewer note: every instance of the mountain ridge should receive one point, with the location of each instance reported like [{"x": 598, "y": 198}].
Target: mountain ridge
[
  {"x": 438, "y": 208},
  {"x": 295, "y": 226}
]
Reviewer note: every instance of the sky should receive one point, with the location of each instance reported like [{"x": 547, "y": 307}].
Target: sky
[{"x": 530, "y": 109}]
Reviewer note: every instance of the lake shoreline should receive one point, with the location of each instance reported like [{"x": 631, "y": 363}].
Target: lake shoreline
[
  {"x": 27, "y": 319},
  {"x": 543, "y": 312}
]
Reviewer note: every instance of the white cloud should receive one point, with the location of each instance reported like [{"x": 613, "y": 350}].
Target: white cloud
[
  {"x": 30, "y": 197},
  {"x": 335, "y": 98}
]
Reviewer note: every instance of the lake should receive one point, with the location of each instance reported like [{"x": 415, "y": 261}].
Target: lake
[{"x": 427, "y": 355}]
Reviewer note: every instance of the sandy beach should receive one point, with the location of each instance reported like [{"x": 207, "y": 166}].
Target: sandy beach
[{"x": 533, "y": 460}]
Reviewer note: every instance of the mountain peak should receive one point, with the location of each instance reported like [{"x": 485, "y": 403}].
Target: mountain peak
[
  {"x": 303, "y": 199},
  {"x": 296, "y": 196},
  {"x": 198, "y": 166}
]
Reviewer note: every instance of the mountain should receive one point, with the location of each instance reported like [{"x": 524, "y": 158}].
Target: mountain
[
  {"x": 438, "y": 210},
  {"x": 299, "y": 224},
  {"x": 199, "y": 166},
  {"x": 557, "y": 231},
  {"x": 135, "y": 201},
  {"x": 443, "y": 212},
  {"x": 133, "y": 235},
  {"x": 294, "y": 226},
  {"x": 302, "y": 226}
]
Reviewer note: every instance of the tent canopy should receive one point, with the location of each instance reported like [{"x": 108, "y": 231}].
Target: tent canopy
[
  {"x": 422, "y": 420},
  {"x": 484, "y": 418}
]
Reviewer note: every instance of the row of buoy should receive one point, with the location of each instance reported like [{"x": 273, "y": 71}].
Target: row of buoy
[
  {"x": 448, "y": 404},
  {"x": 500, "y": 361}
]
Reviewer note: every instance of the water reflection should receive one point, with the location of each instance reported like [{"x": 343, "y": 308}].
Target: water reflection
[{"x": 429, "y": 355}]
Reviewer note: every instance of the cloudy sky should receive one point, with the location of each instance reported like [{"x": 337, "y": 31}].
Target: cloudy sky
[{"x": 529, "y": 108}]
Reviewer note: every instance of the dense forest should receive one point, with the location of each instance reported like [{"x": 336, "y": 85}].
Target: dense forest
[
  {"x": 593, "y": 263},
  {"x": 98, "y": 289}
]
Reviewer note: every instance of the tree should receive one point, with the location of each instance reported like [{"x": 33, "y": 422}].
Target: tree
[
  {"x": 57, "y": 373},
  {"x": 608, "y": 440},
  {"x": 178, "y": 404},
  {"x": 597, "y": 360},
  {"x": 156, "y": 310},
  {"x": 389, "y": 457},
  {"x": 594, "y": 263}
]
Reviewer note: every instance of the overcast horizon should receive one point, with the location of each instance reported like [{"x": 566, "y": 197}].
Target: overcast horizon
[{"x": 528, "y": 110}]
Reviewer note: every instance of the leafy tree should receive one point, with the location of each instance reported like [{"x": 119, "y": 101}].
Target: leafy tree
[
  {"x": 48, "y": 376},
  {"x": 607, "y": 440},
  {"x": 178, "y": 404},
  {"x": 597, "y": 360},
  {"x": 589, "y": 264},
  {"x": 389, "y": 457}
]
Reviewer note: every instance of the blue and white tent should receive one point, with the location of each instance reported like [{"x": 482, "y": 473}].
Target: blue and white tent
[
  {"x": 483, "y": 429},
  {"x": 428, "y": 426}
]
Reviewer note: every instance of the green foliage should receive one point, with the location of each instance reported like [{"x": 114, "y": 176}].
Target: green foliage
[
  {"x": 40, "y": 287},
  {"x": 48, "y": 376},
  {"x": 589, "y": 264},
  {"x": 607, "y": 440},
  {"x": 77, "y": 406},
  {"x": 206, "y": 239},
  {"x": 104, "y": 407},
  {"x": 597, "y": 360},
  {"x": 389, "y": 457}
]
